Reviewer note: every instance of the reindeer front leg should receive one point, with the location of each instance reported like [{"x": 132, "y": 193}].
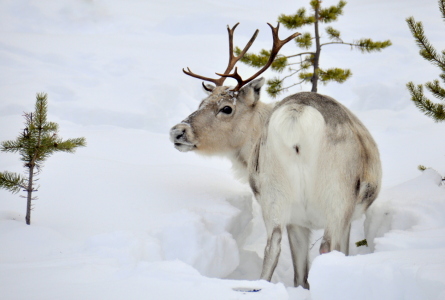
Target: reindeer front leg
[
  {"x": 271, "y": 201},
  {"x": 272, "y": 250}
]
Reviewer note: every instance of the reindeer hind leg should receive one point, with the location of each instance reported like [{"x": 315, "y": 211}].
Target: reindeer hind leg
[
  {"x": 344, "y": 247},
  {"x": 336, "y": 234},
  {"x": 299, "y": 245}
]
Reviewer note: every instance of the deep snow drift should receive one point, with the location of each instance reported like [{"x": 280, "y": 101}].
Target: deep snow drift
[
  {"x": 406, "y": 230},
  {"x": 129, "y": 217},
  {"x": 177, "y": 226}
]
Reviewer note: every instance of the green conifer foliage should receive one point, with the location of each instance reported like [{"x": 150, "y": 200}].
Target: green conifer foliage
[
  {"x": 299, "y": 64},
  {"x": 35, "y": 144},
  {"x": 433, "y": 110}
]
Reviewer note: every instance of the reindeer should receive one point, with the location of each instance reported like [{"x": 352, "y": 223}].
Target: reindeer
[{"x": 311, "y": 164}]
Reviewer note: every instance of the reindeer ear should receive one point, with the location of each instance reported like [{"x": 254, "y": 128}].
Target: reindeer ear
[
  {"x": 208, "y": 88},
  {"x": 250, "y": 93}
]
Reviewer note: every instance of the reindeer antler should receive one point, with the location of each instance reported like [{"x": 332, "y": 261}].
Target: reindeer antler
[
  {"x": 277, "y": 44},
  {"x": 232, "y": 59}
]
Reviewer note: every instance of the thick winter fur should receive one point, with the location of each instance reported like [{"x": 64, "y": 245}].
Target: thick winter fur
[{"x": 310, "y": 162}]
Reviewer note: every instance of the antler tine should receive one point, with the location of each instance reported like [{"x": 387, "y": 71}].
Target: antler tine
[
  {"x": 230, "y": 32},
  {"x": 190, "y": 73},
  {"x": 277, "y": 44},
  {"x": 232, "y": 59},
  {"x": 234, "y": 75}
]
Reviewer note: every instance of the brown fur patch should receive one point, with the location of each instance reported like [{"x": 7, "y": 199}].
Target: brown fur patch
[
  {"x": 256, "y": 158},
  {"x": 357, "y": 188},
  {"x": 369, "y": 196},
  {"x": 254, "y": 186},
  {"x": 331, "y": 110}
]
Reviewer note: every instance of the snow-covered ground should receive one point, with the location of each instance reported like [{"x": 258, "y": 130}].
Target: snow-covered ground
[{"x": 129, "y": 217}]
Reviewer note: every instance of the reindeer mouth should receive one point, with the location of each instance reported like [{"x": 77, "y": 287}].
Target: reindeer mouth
[{"x": 184, "y": 147}]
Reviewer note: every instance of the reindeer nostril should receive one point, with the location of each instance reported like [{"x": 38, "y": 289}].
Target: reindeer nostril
[{"x": 180, "y": 135}]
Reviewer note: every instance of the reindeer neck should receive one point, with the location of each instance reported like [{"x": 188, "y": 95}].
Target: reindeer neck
[{"x": 240, "y": 157}]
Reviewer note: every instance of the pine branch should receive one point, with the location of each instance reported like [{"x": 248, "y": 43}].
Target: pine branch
[
  {"x": 304, "y": 41},
  {"x": 41, "y": 110},
  {"x": 12, "y": 182},
  {"x": 305, "y": 76},
  {"x": 435, "y": 88},
  {"x": 421, "y": 168},
  {"x": 334, "y": 74},
  {"x": 367, "y": 45},
  {"x": 333, "y": 34},
  {"x": 364, "y": 45},
  {"x": 259, "y": 60},
  {"x": 442, "y": 8},
  {"x": 295, "y": 72},
  {"x": 433, "y": 110},
  {"x": 315, "y": 4},
  {"x": 299, "y": 54},
  {"x": 362, "y": 243},
  {"x": 70, "y": 145},
  {"x": 11, "y": 146},
  {"x": 429, "y": 108},
  {"x": 303, "y": 62},
  {"x": 297, "y": 83},
  {"x": 50, "y": 127},
  {"x": 297, "y": 20},
  {"x": 427, "y": 51},
  {"x": 274, "y": 87},
  {"x": 330, "y": 14}
]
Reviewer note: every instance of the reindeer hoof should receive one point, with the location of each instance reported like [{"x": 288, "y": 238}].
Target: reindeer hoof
[{"x": 325, "y": 247}]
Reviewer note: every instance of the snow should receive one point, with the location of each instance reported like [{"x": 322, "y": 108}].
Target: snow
[
  {"x": 130, "y": 217},
  {"x": 406, "y": 233}
]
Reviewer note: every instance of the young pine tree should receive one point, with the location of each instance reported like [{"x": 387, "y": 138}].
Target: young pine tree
[
  {"x": 35, "y": 144},
  {"x": 433, "y": 110},
  {"x": 307, "y": 65}
]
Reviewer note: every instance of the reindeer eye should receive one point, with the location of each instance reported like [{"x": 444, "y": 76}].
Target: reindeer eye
[{"x": 227, "y": 110}]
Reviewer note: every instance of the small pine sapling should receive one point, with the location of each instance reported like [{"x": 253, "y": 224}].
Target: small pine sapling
[
  {"x": 35, "y": 144},
  {"x": 436, "y": 111},
  {"x": 306, "y": 65},
  {"x": 423, "y": 168}
]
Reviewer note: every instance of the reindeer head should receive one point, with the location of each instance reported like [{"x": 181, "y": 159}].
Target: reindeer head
[{"x": 222, "y": 120}]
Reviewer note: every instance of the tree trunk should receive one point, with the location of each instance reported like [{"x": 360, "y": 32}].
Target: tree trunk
[
  {"x": 31, "y": 166},
  {"x": 29, "y": 196},
  {"x": 314, "y": 78}
]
